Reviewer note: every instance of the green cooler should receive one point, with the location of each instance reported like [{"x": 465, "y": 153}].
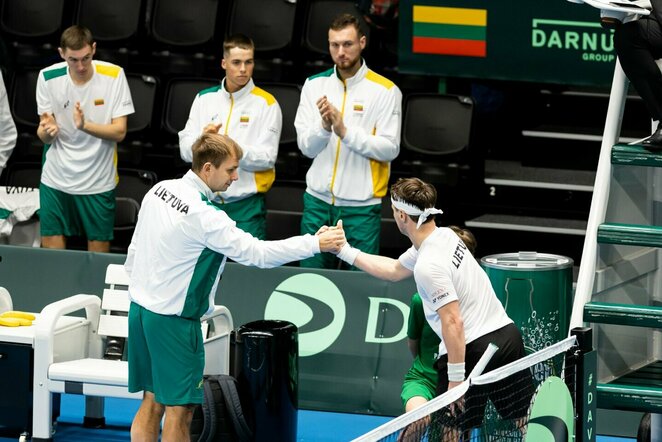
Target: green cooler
[{"x": 536, "y": 290}]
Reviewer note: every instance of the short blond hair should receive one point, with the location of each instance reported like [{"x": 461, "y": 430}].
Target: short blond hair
[
  {"x": 76, "y": 37},
  {"x": 240, "y": 41},
  {"x": 214, "y": 149}
]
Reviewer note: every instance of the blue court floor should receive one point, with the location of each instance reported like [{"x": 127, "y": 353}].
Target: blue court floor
[{"x": 313, "y": 426}]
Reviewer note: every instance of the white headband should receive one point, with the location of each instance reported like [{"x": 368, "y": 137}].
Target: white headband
[{"x": 412, "y": 210}]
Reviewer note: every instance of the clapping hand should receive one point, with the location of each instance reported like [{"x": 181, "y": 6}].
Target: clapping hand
[
  {"x": 79, "y": 116},
  {"x": 322, "y": 106},
  {"x": 331, "y": 117},
  {"x": 49, "y": 125},
  {"x": 212, "y": 128}
]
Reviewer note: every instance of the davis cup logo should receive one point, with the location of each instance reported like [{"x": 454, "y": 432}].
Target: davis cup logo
[{"x": 312, "y": 303}]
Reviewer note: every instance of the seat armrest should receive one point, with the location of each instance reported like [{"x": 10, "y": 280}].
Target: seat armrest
[
  {"x": 221, "y": 319},
  {"x": 217, "y": 343},
  {"x": 47, "y": 321}
]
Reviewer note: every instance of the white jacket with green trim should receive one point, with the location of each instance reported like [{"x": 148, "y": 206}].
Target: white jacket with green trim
[
  {"x": 180, "y": 245},
  {"x": 353, "y": 171},
  {"x": 252, "y": 118}
]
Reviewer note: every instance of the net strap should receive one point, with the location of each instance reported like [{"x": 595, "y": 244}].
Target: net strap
[{"x": 526, "y": 362}]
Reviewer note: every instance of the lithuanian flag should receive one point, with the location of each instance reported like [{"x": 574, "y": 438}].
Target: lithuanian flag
[{"x": 449, "y": 31}]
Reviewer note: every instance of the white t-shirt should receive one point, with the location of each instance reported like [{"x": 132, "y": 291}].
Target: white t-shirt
[
  {"x": 445, "y": 271},
  {"x": 76, "y": 162}
]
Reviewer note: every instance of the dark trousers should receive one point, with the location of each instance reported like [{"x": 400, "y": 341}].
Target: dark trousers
[{"x": 638, "y": 44}]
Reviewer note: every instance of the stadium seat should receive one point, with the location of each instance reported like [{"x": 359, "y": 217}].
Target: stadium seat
[
  {"x": 183, "y": 36},
  {"x": 31, "y": 28},
  {"x": 32, "y": 19},
  {"x": 111, "y": 22},
  {"x": 290, "y": 164},
  {"x": 436, "y": 132},
  {"x": 284, "y": 203},
  {"x": 139, "y": 124},
  {"x": 115, "y": 26},
  {"x": 318, "y": 17},
  {"x": 179, "y": 95},
  {"x": 126, "y": 217},
  {"x": 190, "y": 24},
  {"x": 134, "y": 183},
  {"x": 270, "y": 24},
  {"x": 23, "y": 105},
  {"x": 81, "y": 368},
  {"x": 132, "y": 186},
  {"x": 436, "y": 124}
]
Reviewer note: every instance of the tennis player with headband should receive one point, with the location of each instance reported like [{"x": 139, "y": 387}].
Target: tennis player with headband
[{"x": 458, "y": 299}]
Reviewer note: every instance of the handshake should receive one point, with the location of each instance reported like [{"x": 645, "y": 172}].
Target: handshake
[{"x": 332, "y": 239}]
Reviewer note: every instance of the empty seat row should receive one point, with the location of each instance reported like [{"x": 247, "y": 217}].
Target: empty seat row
[{"x": 280, "y": 28}]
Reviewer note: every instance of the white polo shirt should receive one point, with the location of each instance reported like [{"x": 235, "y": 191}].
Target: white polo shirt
[{"x": 76, "y": 162}]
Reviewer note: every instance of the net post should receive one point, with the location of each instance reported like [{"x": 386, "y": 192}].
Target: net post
[{"x": 585, "y": 359}]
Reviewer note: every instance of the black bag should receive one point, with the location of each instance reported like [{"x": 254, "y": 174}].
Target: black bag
[{"x": 221, "y": 415}]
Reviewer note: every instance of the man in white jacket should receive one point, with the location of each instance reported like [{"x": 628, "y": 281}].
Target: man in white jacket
[
  {"x": 175, "y": 260},
  {"x": 348, "y": 121},
  {"x": 251, "y": 117}
]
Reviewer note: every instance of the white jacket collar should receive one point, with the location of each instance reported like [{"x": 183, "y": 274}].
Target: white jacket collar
[
  {"x": 195, "y": 181},
  {"x": 241, "y": 92},
  {"x": 360, "y": 74}
]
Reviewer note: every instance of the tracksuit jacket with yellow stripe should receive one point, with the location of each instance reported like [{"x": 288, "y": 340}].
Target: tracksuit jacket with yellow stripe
[
  {"x": 353, "y": 171},
  {"x": 252, "y": 118}
]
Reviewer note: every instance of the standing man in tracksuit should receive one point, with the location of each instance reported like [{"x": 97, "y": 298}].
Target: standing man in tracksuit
[
  {"x": 251, "y": 117},
  {"x": 348, "y": 121},
  {"x": 175, "y": 262}
]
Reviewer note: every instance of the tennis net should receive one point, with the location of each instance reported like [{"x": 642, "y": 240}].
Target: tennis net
[{"x": 496, "y": 406}]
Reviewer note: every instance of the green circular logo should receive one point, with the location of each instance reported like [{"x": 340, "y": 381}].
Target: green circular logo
[
  {"x": 552, "y": 414},
  {"x": 315, "y": 305}
]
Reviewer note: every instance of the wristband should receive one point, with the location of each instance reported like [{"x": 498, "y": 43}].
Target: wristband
[
  {"x": 456, "y": 372},
  {"x": 348, "y": 254}
]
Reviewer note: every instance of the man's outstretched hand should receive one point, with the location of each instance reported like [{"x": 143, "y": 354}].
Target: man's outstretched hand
[{"x": 331, "y": 238}]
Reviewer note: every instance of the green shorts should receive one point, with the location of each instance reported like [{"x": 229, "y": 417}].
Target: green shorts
[
  {"x": 416, "y": 384},
  {"x": 362, "y": 226},
  {"x": 92, "y": 216},
  {"x": 250, "y": 214},
  {"x": 166, "y": 356}
]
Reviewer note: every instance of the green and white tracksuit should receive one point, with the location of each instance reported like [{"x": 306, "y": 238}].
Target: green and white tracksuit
[
  {"x": 252, "y": 118},
  {"x": 181, "y": 243},
  {"x": 349, "y": 177}
]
